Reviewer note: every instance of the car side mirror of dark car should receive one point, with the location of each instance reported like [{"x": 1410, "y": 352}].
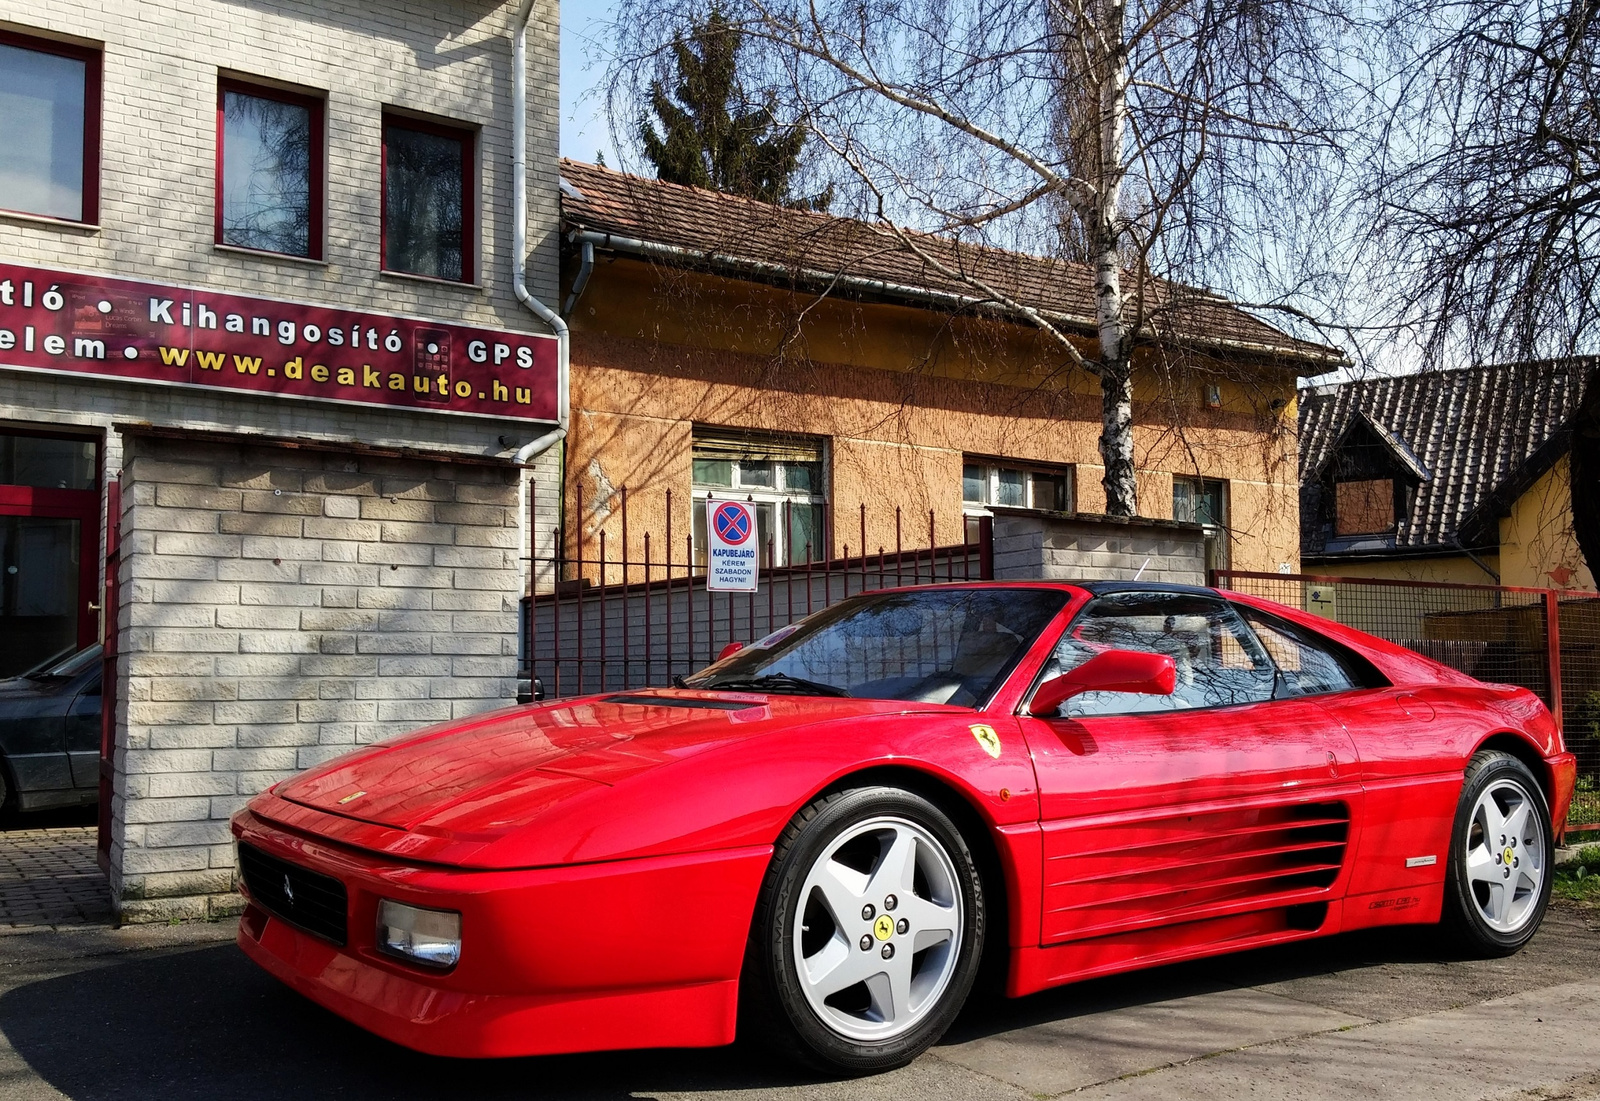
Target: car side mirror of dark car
[
  {"x": 729, "y": 650},
  {"x": 530, "y": 690},
  {"x": 1107, "y": 671}
]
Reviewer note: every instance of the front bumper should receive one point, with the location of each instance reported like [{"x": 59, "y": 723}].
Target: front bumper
[{"x": 626, "y": 954}]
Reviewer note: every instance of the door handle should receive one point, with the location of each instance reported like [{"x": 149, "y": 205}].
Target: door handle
[{"x": 93, "y": 607}]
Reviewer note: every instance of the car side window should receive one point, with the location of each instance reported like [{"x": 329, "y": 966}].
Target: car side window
[
  {"x": 1307, "y": 667},
  {"x": 1218, "y": 661}
]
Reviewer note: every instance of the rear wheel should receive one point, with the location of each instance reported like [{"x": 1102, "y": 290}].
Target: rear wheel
[
  {"x": 1498, "y": 883},
  {"x": 868, "y": 934}
]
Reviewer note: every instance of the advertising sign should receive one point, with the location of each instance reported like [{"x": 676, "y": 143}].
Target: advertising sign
[
  {"x": 78, "y": 324},
  {"x": 731, "y": 554}
]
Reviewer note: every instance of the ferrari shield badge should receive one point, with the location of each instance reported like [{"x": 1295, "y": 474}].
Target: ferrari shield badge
[{"x": 987, "y": 738}]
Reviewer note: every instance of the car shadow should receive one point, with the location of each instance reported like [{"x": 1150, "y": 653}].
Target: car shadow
[
  {"x": 49, "y": 819},
  {"x": 198, "y": 1024},
  {"x": 206, "y": 1022},
  {"x": 1305, "y": 959}
]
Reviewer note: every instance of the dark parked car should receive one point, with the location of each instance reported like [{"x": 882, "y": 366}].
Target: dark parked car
[{"x": 50, "y": 733}]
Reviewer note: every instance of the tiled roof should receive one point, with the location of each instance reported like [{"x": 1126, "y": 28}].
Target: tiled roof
[
  {"x": 728, "y": 232},
  {"x": 1481, "y": 434}
]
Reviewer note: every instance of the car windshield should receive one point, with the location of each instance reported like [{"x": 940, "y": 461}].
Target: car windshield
[
  {"x": 57, "y": 669},
  {"x": 927, "y": 646}
]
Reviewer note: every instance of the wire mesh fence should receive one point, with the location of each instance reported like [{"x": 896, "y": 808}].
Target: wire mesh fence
[
  {"x": 631, "y": 609},
  {"x": 1545, "y": 640}
]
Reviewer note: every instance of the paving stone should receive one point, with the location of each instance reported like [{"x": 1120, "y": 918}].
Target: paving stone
[{"x": 49, "y": 879}]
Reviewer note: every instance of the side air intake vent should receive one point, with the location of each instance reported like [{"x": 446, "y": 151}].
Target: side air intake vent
[{"x": 1158, "y": 871}]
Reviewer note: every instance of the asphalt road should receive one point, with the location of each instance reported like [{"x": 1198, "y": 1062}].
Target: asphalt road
[{"x": 179, "y": 1014}]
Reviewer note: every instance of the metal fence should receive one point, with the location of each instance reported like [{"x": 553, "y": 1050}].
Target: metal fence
[
  {"x": 1546, "y": 640},
  {"x": 630, "y": 609}
]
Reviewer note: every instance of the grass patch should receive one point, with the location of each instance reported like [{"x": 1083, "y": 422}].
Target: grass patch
[{"x": 1580, "y": 881}]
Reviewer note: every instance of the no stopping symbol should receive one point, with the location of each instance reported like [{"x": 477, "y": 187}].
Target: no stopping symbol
[{"x": 732, "y": 523}]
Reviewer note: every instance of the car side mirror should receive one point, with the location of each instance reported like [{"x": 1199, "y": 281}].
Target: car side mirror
[
  {"x": 1108, "y": 671},
  {"x": 530, "y": 690},
  {"x": 729, "y": 650}
]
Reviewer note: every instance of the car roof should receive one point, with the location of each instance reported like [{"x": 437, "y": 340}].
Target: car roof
[{"x": 1105, "y": 588}]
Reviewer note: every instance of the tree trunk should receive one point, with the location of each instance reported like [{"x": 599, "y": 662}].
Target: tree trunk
[
  {"x": 1116, "y": 349},
  {"x": 1116, "y": 439},
  {"x": 1584, "y": 473}
]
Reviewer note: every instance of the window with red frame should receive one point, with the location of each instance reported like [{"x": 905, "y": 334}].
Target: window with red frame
[
  {"x": 49, "y": 128},
  {"x": 428, "y": 188},
  {"x": 269, "y": 170}
]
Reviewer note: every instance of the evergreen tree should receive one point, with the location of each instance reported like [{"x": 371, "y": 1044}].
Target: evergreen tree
[{"x": 712, "y": 134}]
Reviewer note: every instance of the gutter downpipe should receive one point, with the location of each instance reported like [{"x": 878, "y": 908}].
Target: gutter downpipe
[{"x": 519, "y": 240}]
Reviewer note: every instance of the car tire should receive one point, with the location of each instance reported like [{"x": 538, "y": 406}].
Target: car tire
[
  {"x": 1497, "y": 885},
  {"x": 868, "y": 933}
]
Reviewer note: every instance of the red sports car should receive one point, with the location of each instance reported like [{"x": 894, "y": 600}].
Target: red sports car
[{"x": 827, "y": 834}]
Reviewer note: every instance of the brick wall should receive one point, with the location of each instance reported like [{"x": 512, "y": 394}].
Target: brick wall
[
  {"x": 1096, "y": 548},
  {"x": 280, "y": 607}
]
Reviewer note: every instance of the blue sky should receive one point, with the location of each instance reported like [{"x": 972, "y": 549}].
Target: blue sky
[{"x": 583, "y": 59}]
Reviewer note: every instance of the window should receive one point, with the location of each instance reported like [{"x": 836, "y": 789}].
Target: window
[
  {"x": 49, "y": 129},
  {"x": 1204, "y": 501},
  {"x": 1364, "y": 507},
  {"x": 44, "y": 462},
  {"x": 1013, "y": 486},
  {"x": 783, "y": 475},
  {"x": 428, "y": 184},
  {"x": 1307, "y": 667},
  {"x": 269, "y": 170},
  {"x": 1219, "y": 662},
  {"x": 952, "y": 646}
]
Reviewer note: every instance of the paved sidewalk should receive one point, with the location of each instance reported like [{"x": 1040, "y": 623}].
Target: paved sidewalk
[
  {"x": 94, "y": 1014},
  {"x": 49, "y": 879}
]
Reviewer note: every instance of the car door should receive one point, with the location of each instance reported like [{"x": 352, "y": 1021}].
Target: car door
[
  {"x": 83, "y": 733},
  {"x": 1411, "y": 771},
  {"x": 1228, "y": 797}
]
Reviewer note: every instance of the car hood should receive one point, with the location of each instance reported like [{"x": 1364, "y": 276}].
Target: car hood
[
  {"x": 21, "y": 688},
  {"x": 479, "y": 778}
]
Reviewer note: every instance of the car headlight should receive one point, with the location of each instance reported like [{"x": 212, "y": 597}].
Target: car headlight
[{"x": 429, "y": 937}]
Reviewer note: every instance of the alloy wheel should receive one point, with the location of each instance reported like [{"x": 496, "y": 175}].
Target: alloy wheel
[
  {"x": 1506, "y": 859},
  {"x": 879, "y": 930}
]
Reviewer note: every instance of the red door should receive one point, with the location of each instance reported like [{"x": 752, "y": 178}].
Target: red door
[
  {"x": 1220, "y": 808},
  {"x": 49, "y": 548}
]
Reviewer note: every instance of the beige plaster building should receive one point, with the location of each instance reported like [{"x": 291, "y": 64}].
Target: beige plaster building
[
  {"x": 1458, "y": 476},
  {"x": 724, "y": 347}
]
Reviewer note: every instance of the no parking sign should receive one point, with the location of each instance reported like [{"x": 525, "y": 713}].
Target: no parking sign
[{"x": 731, "y": 555}]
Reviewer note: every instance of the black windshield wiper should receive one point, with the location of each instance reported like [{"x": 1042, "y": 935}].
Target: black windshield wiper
[{"x": 778, "y": 682}]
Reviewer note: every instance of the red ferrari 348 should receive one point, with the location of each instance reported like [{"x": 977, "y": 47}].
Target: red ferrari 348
[{"x": 826, "y": 835}]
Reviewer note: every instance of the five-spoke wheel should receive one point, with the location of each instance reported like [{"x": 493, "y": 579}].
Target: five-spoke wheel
[
  {"x": 869, "y": 930},
  {"x": 1498, "y": 882}
]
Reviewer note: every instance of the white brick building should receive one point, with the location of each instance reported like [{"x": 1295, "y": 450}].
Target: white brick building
[{"x": 322, "y": 522}]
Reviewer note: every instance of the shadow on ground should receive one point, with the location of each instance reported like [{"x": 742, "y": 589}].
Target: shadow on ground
[
  {"x": 203, "y": 1023},
  {"x": 48, "y": 819}
]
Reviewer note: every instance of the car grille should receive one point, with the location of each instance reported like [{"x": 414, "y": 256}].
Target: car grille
[{"x": 305, "y": 899}]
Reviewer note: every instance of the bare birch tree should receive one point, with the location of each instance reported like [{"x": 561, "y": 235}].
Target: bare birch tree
[{"x": 1174, "y": 145}]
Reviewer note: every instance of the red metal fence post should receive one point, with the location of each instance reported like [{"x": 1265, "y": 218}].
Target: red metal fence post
[{"x": 1552, "y": 637}]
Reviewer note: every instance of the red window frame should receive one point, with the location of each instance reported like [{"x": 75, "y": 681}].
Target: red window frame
[
  {"x": 317, "y": 106},
  {"x": 92, "y": 59},
  {"x": 469, "y": 214}
]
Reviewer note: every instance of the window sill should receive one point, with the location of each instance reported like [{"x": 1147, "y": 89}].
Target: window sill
[
  {"x": 45, "y": 220},
  {"x": 434, "y": 280},
  {"x": 265, "y": 254}
]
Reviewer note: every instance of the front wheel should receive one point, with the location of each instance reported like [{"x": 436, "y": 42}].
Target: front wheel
[
  {"x": 1498, "y": 884},
  {"x": 869, "y": 931}
]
